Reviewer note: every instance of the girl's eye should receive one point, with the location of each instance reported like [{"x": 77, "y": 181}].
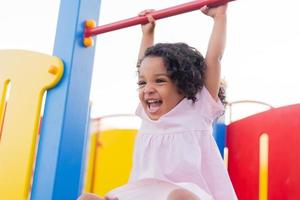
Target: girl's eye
[
  {"x": 160, "y": 80},
  {"x": 141, "y": 84}
]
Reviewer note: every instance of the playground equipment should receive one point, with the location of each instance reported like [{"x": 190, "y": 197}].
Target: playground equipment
[
  {"x": 91, "y": 30},
  {"x": 264, "y": 154},
  {"x": 60, "y": 154},
  {"x": 61, "y": 150},
  {"x": 112, "y": 154},
  {"x": 20, "y": 122},
  {"x": 229, "y": 107}
]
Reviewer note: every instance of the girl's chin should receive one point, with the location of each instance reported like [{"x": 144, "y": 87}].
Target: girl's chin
[{"x": 153, "y": 116}]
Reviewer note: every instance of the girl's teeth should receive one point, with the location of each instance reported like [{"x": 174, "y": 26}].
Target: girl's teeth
[{"x": 153, "y": 105}]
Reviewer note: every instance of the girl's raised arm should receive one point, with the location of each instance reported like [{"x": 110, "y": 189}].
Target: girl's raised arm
[
  {"x": 148, "y": 33},
  {"x": 215, "y": 48}
]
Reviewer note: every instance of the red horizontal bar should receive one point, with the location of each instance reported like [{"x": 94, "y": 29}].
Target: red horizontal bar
[{"x": 159, "y": 14}]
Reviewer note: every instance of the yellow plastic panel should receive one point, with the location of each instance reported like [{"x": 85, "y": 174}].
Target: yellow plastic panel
[
  {"x": 29, "y": 75},
  {"x": 113, "y": 159}
]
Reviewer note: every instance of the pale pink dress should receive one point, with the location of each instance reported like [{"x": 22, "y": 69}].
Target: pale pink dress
[{"x": 178, "y": 151}]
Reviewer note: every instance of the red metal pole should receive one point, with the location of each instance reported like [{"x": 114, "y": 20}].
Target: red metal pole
[{"x": 159, "y": 14}]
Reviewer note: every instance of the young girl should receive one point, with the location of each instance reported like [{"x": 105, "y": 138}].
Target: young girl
[{"x": 175, "y": 154}]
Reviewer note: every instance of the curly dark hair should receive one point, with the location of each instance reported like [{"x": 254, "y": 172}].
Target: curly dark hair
[
  {"x": 222, "y": 93},
  {"x": 185, "y": 65}
]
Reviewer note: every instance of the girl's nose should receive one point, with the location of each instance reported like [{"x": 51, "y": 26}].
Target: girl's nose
[{"x": 149, "y": 88}]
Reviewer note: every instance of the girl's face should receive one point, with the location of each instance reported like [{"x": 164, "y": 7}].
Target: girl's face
[{"x": 157, "y": 93}]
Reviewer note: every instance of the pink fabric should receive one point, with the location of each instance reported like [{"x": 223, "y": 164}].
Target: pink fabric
[
  {"x": 153, "y": 189},
  {"x": 180, "y": 150}
]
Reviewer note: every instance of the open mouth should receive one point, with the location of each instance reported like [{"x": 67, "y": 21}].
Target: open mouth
[{"x": 153, "y": 105}]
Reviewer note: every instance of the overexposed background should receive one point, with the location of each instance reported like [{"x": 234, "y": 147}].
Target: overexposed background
[{"x": 261, "y": 61}]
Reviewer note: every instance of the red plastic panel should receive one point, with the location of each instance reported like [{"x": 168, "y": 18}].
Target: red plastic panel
[{"x": 283, "y": 127}]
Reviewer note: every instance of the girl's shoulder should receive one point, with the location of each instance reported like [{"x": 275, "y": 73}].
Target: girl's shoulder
[{"x": 207, "y": 106}]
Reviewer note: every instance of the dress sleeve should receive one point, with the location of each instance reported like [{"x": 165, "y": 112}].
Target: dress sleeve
[{"x": 208, "y": 106}]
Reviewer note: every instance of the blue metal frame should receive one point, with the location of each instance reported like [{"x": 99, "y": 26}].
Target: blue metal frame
[
  {"x": 59, "y": 166},
  {"x": 219, "y": 133}
]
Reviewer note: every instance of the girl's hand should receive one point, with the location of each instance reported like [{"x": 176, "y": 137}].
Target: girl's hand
[
  {"x": 215, "y": 11},
  {"x": 149, "y": 27}
]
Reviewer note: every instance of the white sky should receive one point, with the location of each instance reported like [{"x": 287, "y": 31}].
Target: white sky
[{"x": 261, "y": 61}]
